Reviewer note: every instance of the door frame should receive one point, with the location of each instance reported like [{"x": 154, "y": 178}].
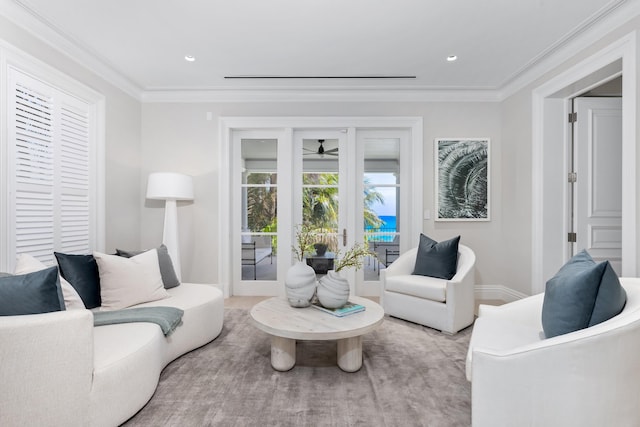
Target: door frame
[
  {"x": 550, "y": 142},
  {"x": 287, "y": 125}
]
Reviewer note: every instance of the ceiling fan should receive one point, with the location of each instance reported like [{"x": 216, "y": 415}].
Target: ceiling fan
[{"x": 321, "y": 151}]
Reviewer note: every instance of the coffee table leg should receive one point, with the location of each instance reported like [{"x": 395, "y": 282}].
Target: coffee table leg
[
  {"x": 283, "y": 353},
  {"x": 350, "y": 353}
]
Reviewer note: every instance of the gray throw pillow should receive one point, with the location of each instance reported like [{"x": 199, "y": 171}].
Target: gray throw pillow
[
  {"x": 611, "y": 297},
  {"x": 439, "y": 260},
  {"x": 168, "y": 273},
  {"x": 81, "y": 271},
  {"x": 31, "y": 293},
  {"x": 580, "y": 295}
]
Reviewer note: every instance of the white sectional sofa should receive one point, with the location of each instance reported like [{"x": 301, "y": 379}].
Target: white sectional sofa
[
  {"x": 57, "y": 369},
  {"x": 590, "y": 377}
]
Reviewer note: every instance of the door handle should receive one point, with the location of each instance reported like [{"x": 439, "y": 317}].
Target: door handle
[{"x": 344, "y": 237}]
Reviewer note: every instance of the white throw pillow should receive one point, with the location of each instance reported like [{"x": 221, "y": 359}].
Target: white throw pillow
[
  {"x": 129, "y": 281},
  {"x": 28, "y": 264}
]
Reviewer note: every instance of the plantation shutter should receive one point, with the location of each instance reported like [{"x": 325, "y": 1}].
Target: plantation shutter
[
  {"x": 49, "y": 141},
  {"x": 74, "y": 178},
  {"x": 33, "y": 194}
]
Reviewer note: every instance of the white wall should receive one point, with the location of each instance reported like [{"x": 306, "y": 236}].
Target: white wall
[
  {"x": 122, "y": 138},
  {"x": 516, "y": 112},
  {"x": 178, "y": 137}
]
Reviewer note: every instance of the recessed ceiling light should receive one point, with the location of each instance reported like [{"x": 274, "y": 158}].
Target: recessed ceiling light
[
  {"x": 189, "y": 58},
  {"x": 451, "y": 58}
]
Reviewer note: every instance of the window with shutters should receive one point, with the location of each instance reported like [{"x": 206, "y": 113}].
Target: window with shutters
[{"x": 52, "y": 170}]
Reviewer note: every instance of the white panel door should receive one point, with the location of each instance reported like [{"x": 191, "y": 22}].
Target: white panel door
[{"x": 598, "y": 164}]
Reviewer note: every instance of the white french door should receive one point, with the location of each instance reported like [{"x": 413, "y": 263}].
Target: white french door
[
  {"x": 283, "y": 176},
  {"x": 259, "y": 200},
  {"x": 361, "y": 170},
  {"x": 322, "y": 191},
  {"x": 384, "y": 211}
]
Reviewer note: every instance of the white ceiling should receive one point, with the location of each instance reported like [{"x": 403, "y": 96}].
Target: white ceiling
[{"x": 144, "y": 42}]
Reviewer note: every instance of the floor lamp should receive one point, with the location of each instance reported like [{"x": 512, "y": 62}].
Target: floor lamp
[{"x": 170, "y": 187}]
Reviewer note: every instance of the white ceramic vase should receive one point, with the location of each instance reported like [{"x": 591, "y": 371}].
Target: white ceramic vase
[
  {"x": 333, "y": 290},
  {"x": 300, "y": 284}
]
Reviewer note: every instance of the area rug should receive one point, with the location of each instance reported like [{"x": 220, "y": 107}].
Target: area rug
[{"x": 411, "y": 376}]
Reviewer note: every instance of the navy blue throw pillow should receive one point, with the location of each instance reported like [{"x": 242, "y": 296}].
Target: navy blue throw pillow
[
  {"x": 31, "y": 293},
  {"x": 81, "y": 271},
  {"x": 439, "y": 260}
]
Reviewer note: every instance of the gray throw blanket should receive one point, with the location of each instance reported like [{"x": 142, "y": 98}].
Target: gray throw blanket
[{"x": 169, "y": 318}]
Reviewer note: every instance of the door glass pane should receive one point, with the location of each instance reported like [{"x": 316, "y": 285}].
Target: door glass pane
[
  {"x": 259, "y": 209},
  {"x": 381, "y": 212},
  {"x": 320, "y": 207},
  {"x": 261, "y": 198}
]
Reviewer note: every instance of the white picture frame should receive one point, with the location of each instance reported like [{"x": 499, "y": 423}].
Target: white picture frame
[{"x": 462, "y": 181}]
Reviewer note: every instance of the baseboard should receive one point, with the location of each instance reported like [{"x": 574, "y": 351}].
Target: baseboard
[{"x": 497, "y": 292}]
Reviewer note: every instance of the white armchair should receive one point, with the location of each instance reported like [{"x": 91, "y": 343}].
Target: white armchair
[
  {"x": 446, "y": 305},
  {"x": 590, "y": 377}
]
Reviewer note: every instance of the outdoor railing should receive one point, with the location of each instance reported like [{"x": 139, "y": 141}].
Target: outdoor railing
[{"x": 380, "y": 235}]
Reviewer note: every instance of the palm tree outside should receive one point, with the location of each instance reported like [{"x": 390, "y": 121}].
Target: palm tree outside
[{"x": 320, "y": 207}]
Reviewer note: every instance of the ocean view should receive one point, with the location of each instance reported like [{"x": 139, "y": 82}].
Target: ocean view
[
  {"x": 389, "y": 226},
  {"x": 389, "y": 223}
]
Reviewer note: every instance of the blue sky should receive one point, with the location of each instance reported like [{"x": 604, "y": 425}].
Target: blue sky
[{"x": 389, "y": 193}]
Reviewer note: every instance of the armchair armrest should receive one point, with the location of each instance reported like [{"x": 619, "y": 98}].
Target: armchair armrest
[
  {"x": 46, "y": 368},
  {"x": 578, "y": 379},
  {"x": 526, "y": 311},
  {"x": 404, "y": 264}
]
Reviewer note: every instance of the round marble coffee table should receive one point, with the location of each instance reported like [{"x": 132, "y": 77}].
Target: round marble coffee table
[{"x": 287, "y": 324}]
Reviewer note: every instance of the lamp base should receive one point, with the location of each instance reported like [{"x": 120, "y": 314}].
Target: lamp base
[{"x": 170, "y": 235}]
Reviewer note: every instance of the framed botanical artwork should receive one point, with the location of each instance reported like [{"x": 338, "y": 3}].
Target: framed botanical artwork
[{"x": 462, "y": 179}]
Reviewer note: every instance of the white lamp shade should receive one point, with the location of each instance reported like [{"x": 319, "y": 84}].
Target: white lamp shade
[{"x": 169, "y": 186}]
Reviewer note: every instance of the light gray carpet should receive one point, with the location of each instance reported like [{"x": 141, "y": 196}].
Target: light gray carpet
[{"x": 411, "y": 376}]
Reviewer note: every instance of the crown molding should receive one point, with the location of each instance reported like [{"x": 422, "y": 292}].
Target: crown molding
[
  {"x": 609, "y": 18},
  {"x": 20, "y": 14},
  {"x": 322, "y": 95}
]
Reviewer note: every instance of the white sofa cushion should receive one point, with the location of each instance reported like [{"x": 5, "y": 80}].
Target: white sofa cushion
[
  {"x": 128, "y": 281},
  {"x": 418, "y": 286},
  {"x": 129, "y": 357},
  {"x": 127, "y": 365},
  {"x": 202, "y": 305}
]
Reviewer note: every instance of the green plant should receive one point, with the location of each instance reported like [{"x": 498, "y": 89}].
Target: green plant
[
  {"x": 352, "y": 258},
  {"x": 320, "y": 202},
  {"x": 261, "y": 200},
  {"x": 305, "y": 238}
]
